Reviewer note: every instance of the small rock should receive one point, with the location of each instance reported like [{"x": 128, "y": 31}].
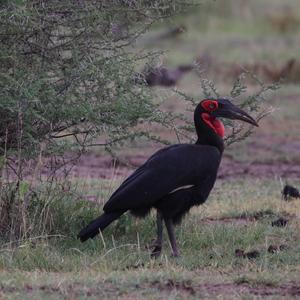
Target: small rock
[
  {"x": 272, "y": 249},
  {"x": 283, "y": 247},
  {"x": 275, "y": 248},
  {"x": 252, "y": 254},
  {"x": 239, "y": 253}
]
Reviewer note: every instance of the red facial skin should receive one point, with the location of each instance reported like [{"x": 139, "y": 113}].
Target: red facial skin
[
  {"x": 209, "y": 105},
  {"x": 212, "y": 122}
]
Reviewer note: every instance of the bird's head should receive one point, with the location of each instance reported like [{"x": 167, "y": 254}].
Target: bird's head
[{"x": 209, "y": 110}]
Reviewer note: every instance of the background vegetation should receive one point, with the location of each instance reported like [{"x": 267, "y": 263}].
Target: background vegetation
[
  {"x": 67, "y": 78},
  {"x": 67, "y": 82}
]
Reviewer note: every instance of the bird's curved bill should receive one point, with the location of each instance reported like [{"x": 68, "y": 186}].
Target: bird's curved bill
[{"x": 230, "y": 111}]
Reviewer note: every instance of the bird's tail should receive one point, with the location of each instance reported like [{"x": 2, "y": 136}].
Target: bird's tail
[{"x": 92, "y": 229}]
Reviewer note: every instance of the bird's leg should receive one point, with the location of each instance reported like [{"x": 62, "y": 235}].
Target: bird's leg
[
  {"x": 158, "y": 242},
  {"x": 171, "y": 234}
]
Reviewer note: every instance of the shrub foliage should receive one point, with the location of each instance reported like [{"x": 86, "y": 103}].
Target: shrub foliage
[{"x": 66, "y": 68}]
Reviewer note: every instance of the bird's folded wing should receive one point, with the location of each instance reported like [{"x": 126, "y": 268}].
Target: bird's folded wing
[
  {"x": 143, "y": 188},
  {"x": 165, "y": 171}
]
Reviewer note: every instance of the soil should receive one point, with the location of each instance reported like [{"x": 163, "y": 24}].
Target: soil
[
  {"x": 277, "y": 248},
  {"x": 250, "y": 255},
  {"x": 210, "y": 289},
  {"x": 93, "y": 165},
  {"x": 289, "y": 289},
  {"x": 245, "y": 218}
]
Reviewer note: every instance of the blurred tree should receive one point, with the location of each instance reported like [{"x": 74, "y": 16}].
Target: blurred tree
[{"x": 66, "y": 69}]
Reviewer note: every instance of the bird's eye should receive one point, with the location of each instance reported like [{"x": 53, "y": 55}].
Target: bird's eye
[{"x": 209, "y": 105}]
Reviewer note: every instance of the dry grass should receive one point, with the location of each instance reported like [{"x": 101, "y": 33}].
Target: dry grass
[{"x": 238, "y": 214}]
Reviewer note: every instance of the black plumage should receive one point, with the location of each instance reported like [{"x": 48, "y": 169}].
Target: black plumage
[{"x": 175, "y": 178}]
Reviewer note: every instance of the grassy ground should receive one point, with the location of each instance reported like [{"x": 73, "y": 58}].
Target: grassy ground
[{"x": 238, "y": 215}]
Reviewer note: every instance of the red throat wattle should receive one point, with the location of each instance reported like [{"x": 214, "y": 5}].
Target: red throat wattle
[{"x": 214, "y": 123}]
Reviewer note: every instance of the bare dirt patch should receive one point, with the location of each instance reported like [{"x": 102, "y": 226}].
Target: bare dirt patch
[
  {"x": 95, "y": 166},
  {"x": 214, "y": 289},
  {"x": 273, "y": 219},
  {"x": 76, "y": 289},
  {"x": 187, "y": 287},
  {"x": 231, "y": 168}
]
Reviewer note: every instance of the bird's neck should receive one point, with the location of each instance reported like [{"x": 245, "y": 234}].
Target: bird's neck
[
  {"x": 210, "y": 131},
  {"x": 211, "y": 140}
]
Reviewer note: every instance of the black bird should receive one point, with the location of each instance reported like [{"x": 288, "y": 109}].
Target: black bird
[
  {"x": 162, "y": 76},
  {"x": 175, "y": 178}
]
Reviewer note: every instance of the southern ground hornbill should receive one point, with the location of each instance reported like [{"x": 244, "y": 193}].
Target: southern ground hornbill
[{"x": 175, "y": 178}]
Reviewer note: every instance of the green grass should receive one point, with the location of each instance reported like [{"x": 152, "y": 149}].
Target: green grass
[
  {"x": 118, "y": 265},
  {"x": 53, "y": 264}
]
